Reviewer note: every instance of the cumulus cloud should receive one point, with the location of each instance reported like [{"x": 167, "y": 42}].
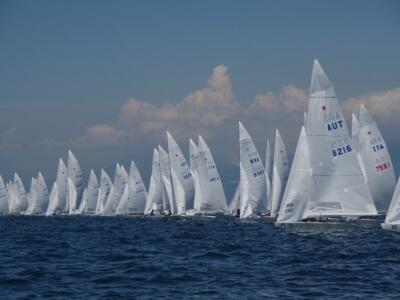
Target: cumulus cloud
[{"x": 213, "y": 112}]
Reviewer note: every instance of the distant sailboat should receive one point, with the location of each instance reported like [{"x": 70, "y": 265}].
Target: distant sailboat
[
  {"x": 182, "y": 181},
  {"x": 120, "y": 180},
  {"x": 75, "y": 173},
  {"x": 169, "y": 203},
  {"x": 212, "y": 199},
  {"x": 375, "y": 160},
  {"x": 4, "y": 210},
  {"x": 104, "y": 191},
  {"x": 338, "y": 186},
  {"x": 253, "y": 188},
  {"x": 39, "y": 196},
  {"x": 19, "y": 199},
  {"x": 89, "y": 200},
  {"x": 392, "y": 221},
  {"x": 154, "y": 201},
  {"x": 279, "y": 174},
  {"x": 133, "y": 200}
]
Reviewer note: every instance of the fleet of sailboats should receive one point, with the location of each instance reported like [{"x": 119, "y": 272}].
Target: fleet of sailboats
[{"x": 336, "y": 177}]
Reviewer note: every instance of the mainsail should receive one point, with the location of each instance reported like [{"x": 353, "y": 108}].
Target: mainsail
[
  {"x": 71, "y": 197},
  {"x": 194, "y": 157},
  {"x": 182, "y": 181},
  {"x": 212, "y": 193},
  {"x": 376, "y": 162},
  {"x": 297, "y": 192},
  {"x": 154, "y": 201},
  {"x": 92, "y": 194},
  {"x": 120, "y": 180},
  {"x": 279, "y": 174},
  {"x": 3, "y": 198},
  {"x": 339, "y": 187},
  {"x": 19, "y": 200},
  {"x": 104, "y": 191},
  {"x": 39, "y": 196},
  {"x": 75, "y": 173},
  {"x": 166, "y": 182},
  {"x": 253, "y": 188},
  {"x": 53, "y": 200}
]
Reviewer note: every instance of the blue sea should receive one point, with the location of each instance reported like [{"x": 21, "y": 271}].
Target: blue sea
[{"x": 182, "y": 258}]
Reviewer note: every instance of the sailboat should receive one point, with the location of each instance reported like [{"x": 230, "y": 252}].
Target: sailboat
[
  {"x": 39, "y": 196},
  {"x": 279, "y": 174},
  {"x": 18, "y": 200},
  {"x": 194, "y": 157},
  {"x": 212, "y": 198},
  {"x": 375, "y": 160},
  {"x": 104, "y": 191},
  {"x": 4, "y": 210},
  {"x": 133, "y": 200},
  {"x": 337, "y": 188},
  {"x": 253, "y": 187},
  {"x": 392, "y": 220},
  {"x": 90, "y": 195},
  {"x": 58, "y": 193},
  {"x": 297, "y": 193},
  {"x": 169, "y": 203},
  {"x": 120, "y": 180},
  {"x": 75, "y": 174},
  {"x": 182, "y": 181},
  {"x": 154, "y": 201}
]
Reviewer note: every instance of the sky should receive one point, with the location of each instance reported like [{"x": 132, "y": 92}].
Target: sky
[{"x": 107, "y": 79}]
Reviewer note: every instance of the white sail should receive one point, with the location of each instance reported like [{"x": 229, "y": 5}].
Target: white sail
[
  {"x": 169, "y": 203},
  {"x": 104, "y": 191},
  {"x": 122, "y": 208},
  {"x": 84, "y": 201},
  {"x": 62, "y": 185},
  {"x": 376, "y": 162},
  {"x": 279, "y": 174},
  {"x": 120, "y": 180},
  {"x": 19, "y": 200},
  {"x": 182, "y": 181},
  {"x": 339, "y": 187},
  {"x": 354, "y": 132},
  {"x": 212, "y": 193},
  {"x": 53, "y": 200},
  {"x": 194, "y": 157},
  {"x": 393, "y": 214},
  {"x": 92, "y": 194},
  {"x": 71, "y": 197},
  {"x": 297, "y": 192},
  {"x": 31, "y": 197},
  {"x": 253, "y": 188},
  {"x": 154, "y": 201},
  {"x": 39, "y": 196},
  {"x": 75, "y": 173},
  {"x": 137, "y": 202},
  {"x": 235, "y": 202},
  {"x": 4, "y": 210},
  {"x": 305, "y": 119}
]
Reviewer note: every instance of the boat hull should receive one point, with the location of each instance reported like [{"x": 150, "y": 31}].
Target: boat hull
[
  {"x": 313, "y": 226},
  {"x": 391, "y": 227}
]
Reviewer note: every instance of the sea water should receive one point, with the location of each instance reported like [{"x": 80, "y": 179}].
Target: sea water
[{"x": 202, "y": 258}]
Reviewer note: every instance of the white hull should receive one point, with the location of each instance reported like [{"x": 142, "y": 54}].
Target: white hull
[
  {"x": 392, "y": 227},
  {"x": 313, "y": 226}
]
